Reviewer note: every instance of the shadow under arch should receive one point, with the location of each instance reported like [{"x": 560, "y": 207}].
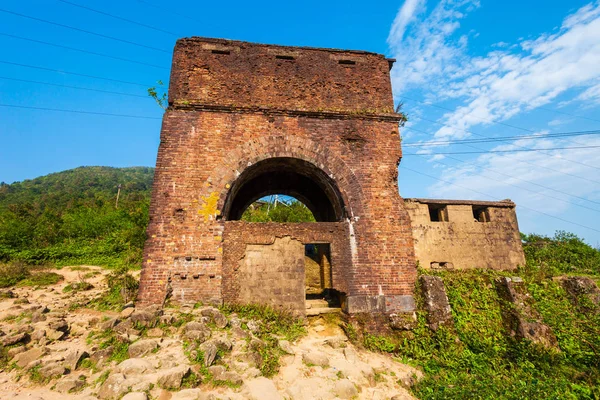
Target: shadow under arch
[{"x": 289, "y": 176}]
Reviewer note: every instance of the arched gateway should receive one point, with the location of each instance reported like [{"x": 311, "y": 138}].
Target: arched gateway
[{"x": 249, "y": 120}]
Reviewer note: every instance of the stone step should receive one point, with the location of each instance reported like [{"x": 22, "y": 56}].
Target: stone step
[
  {"x": 316, "y": 303},
  {"x": 322, "y": 310}
]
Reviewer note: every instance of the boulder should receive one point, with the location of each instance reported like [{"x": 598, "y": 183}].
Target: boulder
[
  {"x": 135, "y": 366},
  {"x": 59, "y": 325},
  {"x": 345, "y": 389},
  {"x": 286, "y": 347},
  {"x": 155, "y": 333},
  {"x": 142, "y": 348},
  {"x": 216, "y": 371},
  {"x": 230, "y": 376},
  {"x": 52, "y": 370},
  {"x": 114, "y": 387},
  {"x": 126, "y": 313},
  {"x": 13, "y": 339},
  {"x": 260, "y": 389},
  {"x": 15, "y": 350},
  {"x": 315, "y": 358},
  {"x": 99, "y": 357},
  {"x": 210, "y": 353},
  {"x": 196, "y": 331},
  {"x": 135, "y": 395},
  {"x": 436, "y": 302},
  {"x": 253, "y": 326},
  {"x": 190, "y": 394},
  {"x": 172, "y": 378},
  {"x": 54, "y": 335},
  {"x": 74, "y": 357},
  {"x": 110, "y": 323},
  {"x": 25, "y": 358},
  {"x": 69, "y": 384},
  {"x": 147, "y": 318}
]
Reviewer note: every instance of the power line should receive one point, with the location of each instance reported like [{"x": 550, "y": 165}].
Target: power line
[
  {"x": 73, "y": 87},
  {"x": 522, "y": 188},
  {"x": 569, "y": 114},
  {"x": 487, "y": 195},
  {"x": 522, "y": 147},
  {"x": 60, "y": 71},
  {"x": 523, "y": 161},
  {"x": 169, "y": 11},
  {"x": 504, "y": 138},
  {"x": 505, "y": 151},
  {"x": 83, "y": 51},
  {"x": 78, "y": 111},
  {"x": 84, "y": 31},
  {"x": 119, "y": 18}
]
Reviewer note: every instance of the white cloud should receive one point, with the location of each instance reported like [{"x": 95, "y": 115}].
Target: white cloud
[
  {"x": 502, "y": 83},
  {"x": 521, "y": 176},
  {"x": 403, "y": 18}
]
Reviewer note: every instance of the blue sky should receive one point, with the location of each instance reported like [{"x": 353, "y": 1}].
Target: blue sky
[{"x": 493, "y": 69}]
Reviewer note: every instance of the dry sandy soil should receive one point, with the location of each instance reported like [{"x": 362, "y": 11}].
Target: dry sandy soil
[{"x": 54, "y": 357}]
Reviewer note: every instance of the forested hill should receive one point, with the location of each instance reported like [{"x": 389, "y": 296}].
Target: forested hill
[
  {"x": 71, "y": 216},
  {"x": 61, "y": 189}
]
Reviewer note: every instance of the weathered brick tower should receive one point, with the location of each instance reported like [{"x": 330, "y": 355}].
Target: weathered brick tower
[{"x": 248, "y": 120}]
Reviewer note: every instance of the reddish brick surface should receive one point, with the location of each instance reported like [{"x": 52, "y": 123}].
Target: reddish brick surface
[{"x": 230, "y": 111}]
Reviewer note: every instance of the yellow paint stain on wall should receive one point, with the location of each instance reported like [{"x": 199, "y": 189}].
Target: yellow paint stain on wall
[{"x": 208, "y": 209}]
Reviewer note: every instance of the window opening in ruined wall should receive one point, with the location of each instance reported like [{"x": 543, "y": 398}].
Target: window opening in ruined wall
[
  {"x": 438, "y": 213},
  {"x": 481, "y": 214}
]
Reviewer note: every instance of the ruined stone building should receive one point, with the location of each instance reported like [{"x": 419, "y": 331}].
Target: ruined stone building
[{"x": 249, "y": 120}]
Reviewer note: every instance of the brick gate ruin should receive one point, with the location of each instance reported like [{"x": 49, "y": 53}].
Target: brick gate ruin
[{"x": 249, "y": 120}]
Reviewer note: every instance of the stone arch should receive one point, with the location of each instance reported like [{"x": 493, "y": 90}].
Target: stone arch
[{"x": 303, "y": 149}]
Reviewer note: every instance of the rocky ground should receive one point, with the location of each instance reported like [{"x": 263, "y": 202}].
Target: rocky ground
[{"x": 55, "y": 349}]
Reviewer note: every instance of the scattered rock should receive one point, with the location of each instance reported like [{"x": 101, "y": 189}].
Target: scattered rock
[
  {"x": 110, "y": 323},
  {"x": 196, "y": 331},
  {"x": 315, "y": 358},
  {"x": 436, "y": 302},
  {"x": 69, "y": 384},
  {"x": 232, "y": 377},
  {"x": 135, "y": 396},
  {"x": 126, "y": 313},
  {"x": 142, "y": 348},
  {"x": 135, "y": 366},
  {"x": 52, "y": 370},
  {"x": 336, "y": 342},
  {"x": 190, "y": 394},
  {"x": 260, "y": 389},
  {"x": 25, "y": 358},
  {"x": 253, "y": 326},
  {"x": 145, "y": 318},
  {"x": 15, "y": 350},
  {"x": 54, "y": 335},
  {"x": 286, "y": 347},
  {"x": 7, "y": 294},
  {"x": 403, "y": 321},
  {"x": 172, "y": 378},
  {"x": 114, "y": 387},
  {"x": 210, "y": 353},
  {"x": 155, "y": 333},
  {"x": 239, "y": 332},
  {"x": 216, "y": 371},
  {"x": 11, "y": 340},
  {"x": 219, "y": 319},
  {"x": 74, "y": 357},
  {"x": 345, "y": 389},
  {"x": 60, "y": 325},
  {"x": 99, "y": 357}
]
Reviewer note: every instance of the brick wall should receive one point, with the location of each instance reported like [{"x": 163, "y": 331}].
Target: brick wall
[{"x": 249, "y": 108}]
